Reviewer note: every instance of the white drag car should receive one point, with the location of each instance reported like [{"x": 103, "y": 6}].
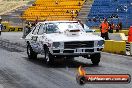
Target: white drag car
[{"x": 63, "y": 39}]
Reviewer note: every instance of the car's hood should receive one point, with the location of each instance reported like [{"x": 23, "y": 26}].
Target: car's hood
[{"x": 56, "y": 37}]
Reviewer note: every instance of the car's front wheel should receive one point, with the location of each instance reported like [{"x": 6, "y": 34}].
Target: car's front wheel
[
  {"x": 95, "y": 58},
  {"x": 48, "y": 56},
  {"x": 31, "y": 54}
]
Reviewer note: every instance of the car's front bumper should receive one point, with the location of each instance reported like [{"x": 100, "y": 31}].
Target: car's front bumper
[{"x": 76, "y": 52}]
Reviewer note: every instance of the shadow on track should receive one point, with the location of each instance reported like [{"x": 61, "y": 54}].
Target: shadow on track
[{"x": 60, "y": 64}]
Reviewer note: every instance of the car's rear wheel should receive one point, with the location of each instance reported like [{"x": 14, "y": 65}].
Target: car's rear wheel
[
  {"x": 31, "y": 54},
  {"x": 95, "y": 58},
  {"x": 48, "y": 56}
]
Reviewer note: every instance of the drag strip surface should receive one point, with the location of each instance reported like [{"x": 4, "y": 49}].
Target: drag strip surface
[{"x": 17, "y": 71}]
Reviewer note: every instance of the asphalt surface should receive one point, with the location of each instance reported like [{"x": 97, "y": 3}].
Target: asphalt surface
[{"x": 17, "y": 71}]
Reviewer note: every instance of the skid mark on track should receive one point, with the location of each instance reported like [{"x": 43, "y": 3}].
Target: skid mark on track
[
  {"x": 12, "y": 47},
  {"x": 7, "y": 80}
]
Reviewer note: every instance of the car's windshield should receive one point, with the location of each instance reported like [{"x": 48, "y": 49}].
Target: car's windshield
[
  {"x": 51, "y": 28},
  {"x": 62, "y": 26}
]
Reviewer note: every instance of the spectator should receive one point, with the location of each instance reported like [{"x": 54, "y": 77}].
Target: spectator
[
  {"x": 36, "y": 21},
  {"x": 67, "y": 11},
  {"x": 72, "y": 12},
  {"x": 104, "y": 26},
  {"x": 27, "y": 29},
  {"x": 1, "y": 26},
  {"x": 33, "y": 4},
  {"x": 117, "y": 28},
  {"x": 33, "y": 25},
  {"x": 111, "y": 27},
  {"x": 56, "y": 2},
  {"x": 76, "y": 12},
  {"x": 130, "y": 34},
  {"x": 79, "y": 4},
  {"x": 94, "y": 19},
  {"x": 120, "y": 25}
]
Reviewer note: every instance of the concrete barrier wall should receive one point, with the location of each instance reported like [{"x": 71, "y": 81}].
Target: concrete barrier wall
[
  {"x": 122, "y": 31},
  {"x": 14, "y": 28},
  {"x": 97, "y": 30},
  {"x": 108, "y": 46},
  {"x": 114, "y": 36},
  {"x": 117, "y": 47},
  {"x": 8, "y": 28}
]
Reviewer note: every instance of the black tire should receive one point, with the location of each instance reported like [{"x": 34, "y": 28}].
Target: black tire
[
  {"x": 95, "y": 58},
  {"x": 80, "y": 80},
  {"x": 31, "y": 54},
  {"x": 48, "y": 56}
]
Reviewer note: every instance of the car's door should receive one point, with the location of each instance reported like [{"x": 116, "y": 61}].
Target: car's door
[
  {"x": 41, "y": 37},
  {"x": 34, "y": 38}
]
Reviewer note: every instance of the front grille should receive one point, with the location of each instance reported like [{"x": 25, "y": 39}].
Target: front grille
[
  {"x": 89, "y": 50},
  {"x": 68, "y": 51},
  {"x": 56, "y": 51},
  {"x": 79, "y": 44}
]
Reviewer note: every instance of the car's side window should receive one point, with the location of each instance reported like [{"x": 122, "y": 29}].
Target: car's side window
[
  {"x": 41, "y": 29},
  {"x": 51, "y": 28},
  {"x": 36, "y": 30}
]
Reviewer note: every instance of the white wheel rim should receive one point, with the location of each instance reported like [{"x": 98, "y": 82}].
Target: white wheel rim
[
  {"x": 29, "y": 51},
  {"x": 47, "y": 57}
]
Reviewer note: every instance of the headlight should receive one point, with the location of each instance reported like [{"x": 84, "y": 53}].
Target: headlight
[
  {"x": 56, "y": 44},
  {"x": 101, "y": 43}
]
